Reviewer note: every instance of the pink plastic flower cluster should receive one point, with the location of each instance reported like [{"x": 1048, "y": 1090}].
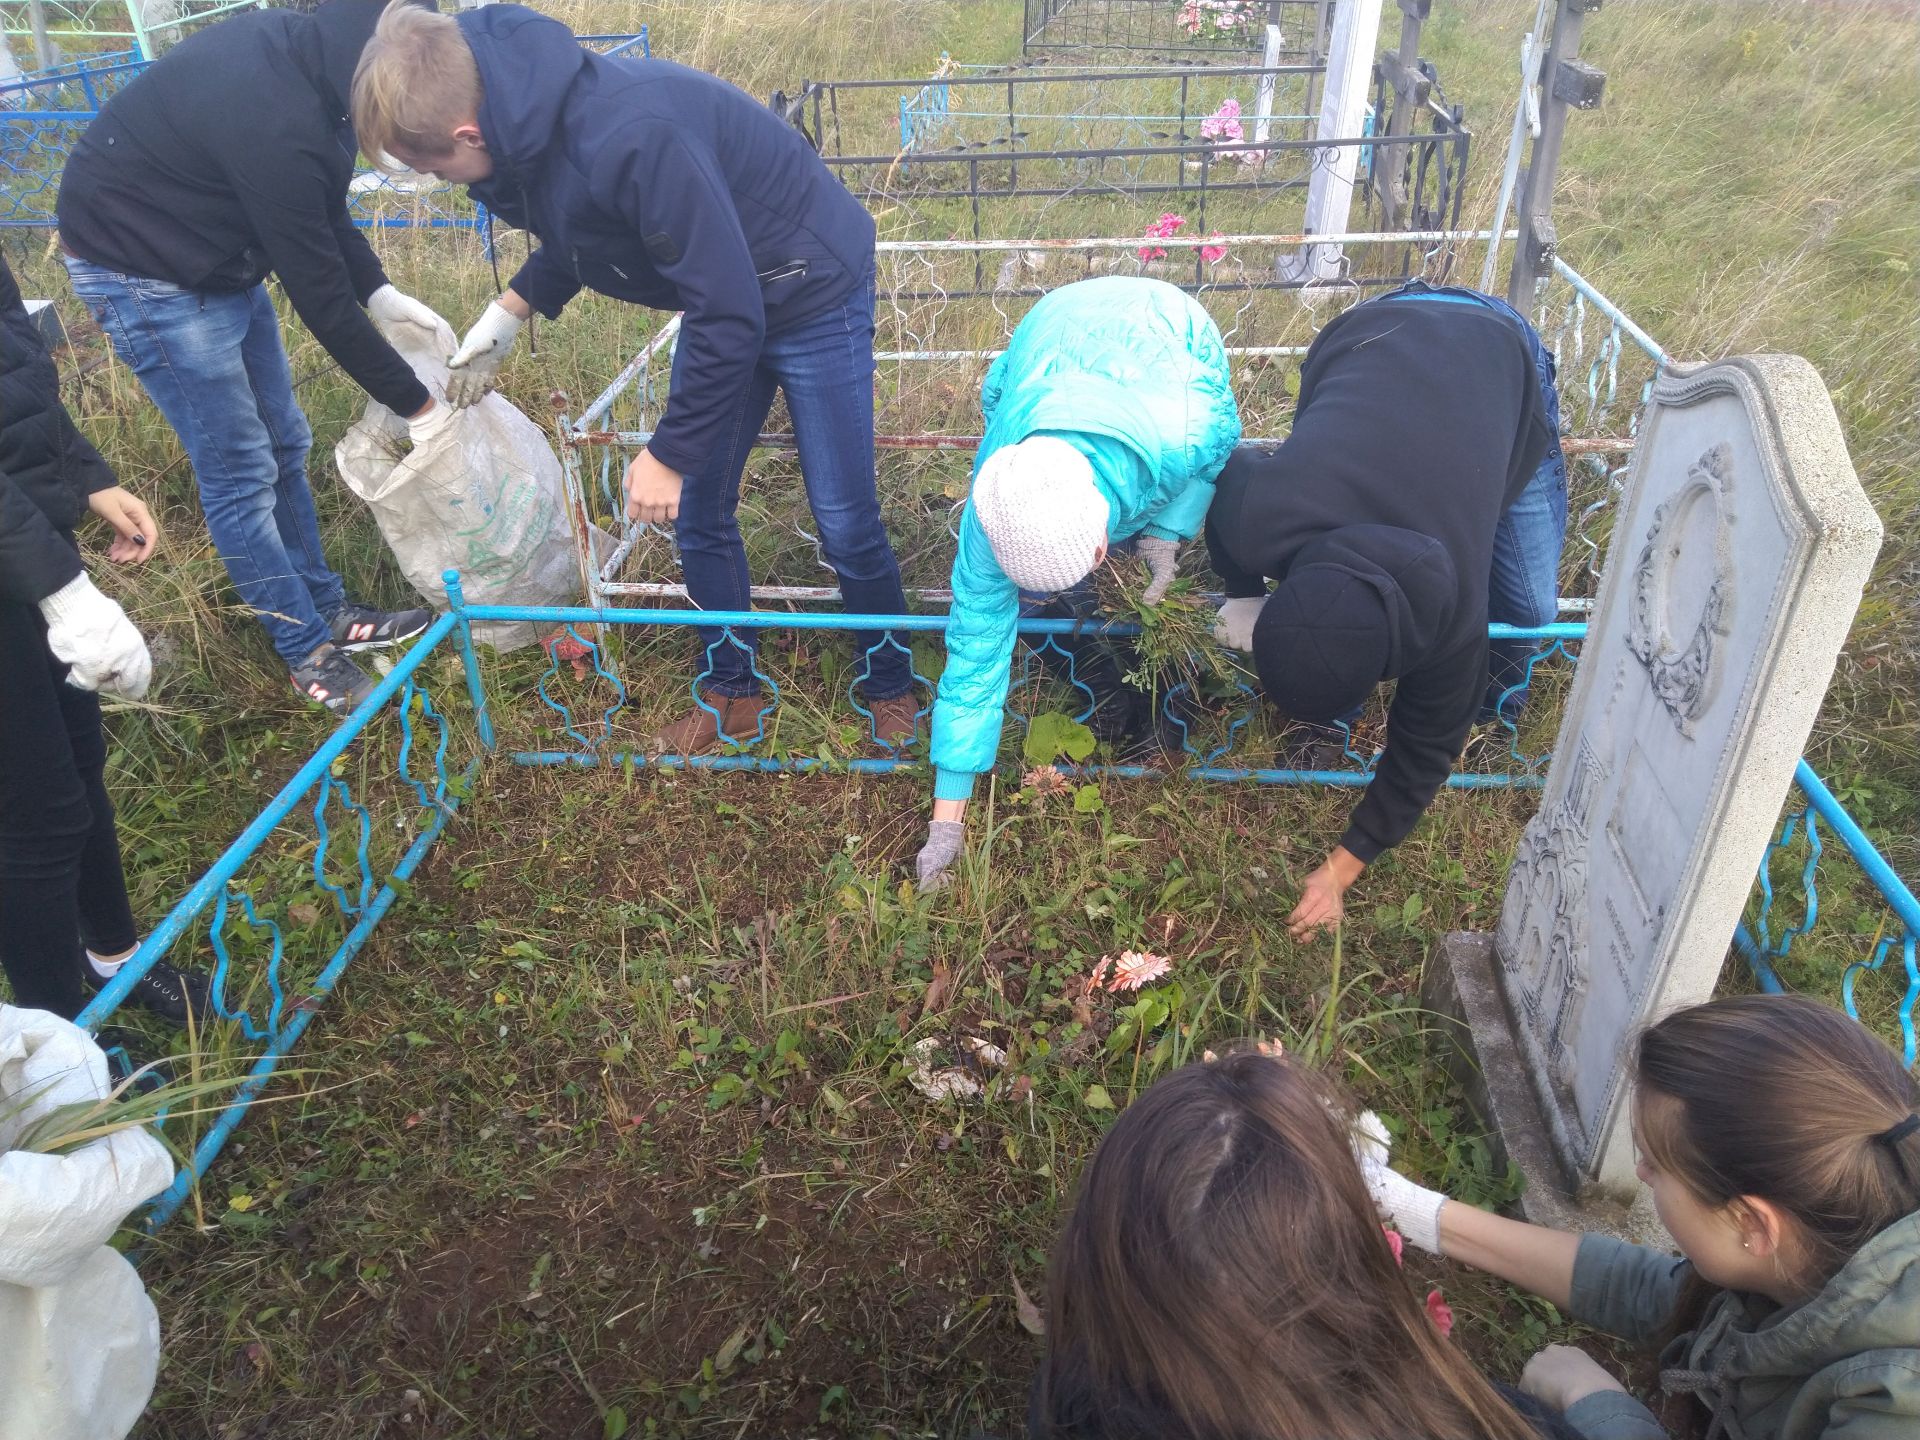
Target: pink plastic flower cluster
[
  {"x": 1224, "y": 123},
  {"x": 1223, "y": 127},
  {"x": 1169, "y": 225},
  {"x": 1214, "y": 18}
]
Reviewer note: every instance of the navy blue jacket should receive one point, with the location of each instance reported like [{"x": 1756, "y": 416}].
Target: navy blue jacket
[{"x": 654, "y": 183}]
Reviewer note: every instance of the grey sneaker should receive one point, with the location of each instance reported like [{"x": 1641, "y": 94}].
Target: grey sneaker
[
  {"x": 327, "y": 677},
  {"x": 361, "y": 627}
]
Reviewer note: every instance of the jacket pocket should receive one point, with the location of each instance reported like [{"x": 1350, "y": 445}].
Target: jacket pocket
[{"x": 791, "y": 270}]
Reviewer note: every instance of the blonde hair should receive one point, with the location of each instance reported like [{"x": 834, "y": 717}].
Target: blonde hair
[{"x": 415, "y": 82}]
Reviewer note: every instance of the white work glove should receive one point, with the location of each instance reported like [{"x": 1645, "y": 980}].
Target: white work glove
[
  {"x": 1411, "y": 1209},
  {"x": 1163, "y": 559},
  {"x": 1234, "y": 626},
  {"x": 475, "y": 367},
  {"x": 387, "y": 307},
  {"x": 93, "y": 635},
  {"x": 1560, "y": 1376},
  {"x": 431, "y": 424},
  {"x": 936, "y": 857}
]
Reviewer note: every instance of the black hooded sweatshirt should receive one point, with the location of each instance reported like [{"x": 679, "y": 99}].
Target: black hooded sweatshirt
[
  {"x": 228, "y": 160},
  {"x": 1426, "y": 417}
]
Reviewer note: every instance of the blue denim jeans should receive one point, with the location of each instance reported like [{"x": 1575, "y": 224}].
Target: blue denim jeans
[
  {"x": 1523, "y": 588},
  {"x": 214, "y": 364},
  {"x": 825, "y": 368}
]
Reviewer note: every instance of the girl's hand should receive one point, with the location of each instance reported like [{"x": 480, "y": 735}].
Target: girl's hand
[
  {"x": 1560, "y": 1375},
  {"x": 135, "y": 531}
]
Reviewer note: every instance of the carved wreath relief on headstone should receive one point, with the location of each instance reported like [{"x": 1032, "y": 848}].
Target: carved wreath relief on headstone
[
  {"x": 1678, "y": 649},
  {"x": 1544, "y": 938}
]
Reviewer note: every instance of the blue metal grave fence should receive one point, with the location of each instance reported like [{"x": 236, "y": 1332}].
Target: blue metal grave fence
[
  {"x": 267, "y": 992},
  {"x": 43, "y": 116},
  {"x": 379, "y": 792}
]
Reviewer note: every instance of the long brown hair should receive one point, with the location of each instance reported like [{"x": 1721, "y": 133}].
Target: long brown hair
[
  {"x": 1787, "y": 1100},
  {"x": 1223, "y": 1276}
]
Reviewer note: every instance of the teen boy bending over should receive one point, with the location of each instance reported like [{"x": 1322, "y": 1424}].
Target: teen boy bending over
[{"x": 660, "y": 185}]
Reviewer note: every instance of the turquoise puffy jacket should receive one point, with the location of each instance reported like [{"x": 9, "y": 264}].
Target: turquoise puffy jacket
[{"x": 1133, "y": 373}]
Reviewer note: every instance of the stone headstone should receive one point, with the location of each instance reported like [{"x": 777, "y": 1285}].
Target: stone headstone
[{"x": 1738, "y": 558}]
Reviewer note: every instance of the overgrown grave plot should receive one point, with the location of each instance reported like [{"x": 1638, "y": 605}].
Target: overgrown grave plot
[{"x": 618, "y": 1121}]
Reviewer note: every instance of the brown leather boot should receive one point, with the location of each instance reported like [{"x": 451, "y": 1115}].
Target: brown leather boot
[
  {"x": 697, "y": 733},
  {"x": 896, "y": 722}
]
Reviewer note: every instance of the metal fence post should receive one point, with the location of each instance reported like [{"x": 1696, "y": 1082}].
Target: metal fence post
[
  {"x": 457, "y": 601},
  {"x": 1565, "y": 84},
  {"x": 1401, "y": 69}
]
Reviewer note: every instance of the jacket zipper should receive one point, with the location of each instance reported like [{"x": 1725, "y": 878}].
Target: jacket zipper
[{"x": 789, "y": 271}]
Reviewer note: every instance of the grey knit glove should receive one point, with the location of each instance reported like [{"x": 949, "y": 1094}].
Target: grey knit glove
[
  {"x": 936, "y": 857},
  {"x": 1163, "y": 559}
]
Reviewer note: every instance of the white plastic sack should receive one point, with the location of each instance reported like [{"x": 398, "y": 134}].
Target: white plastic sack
[
  {"x": 485, "y": 498},
  {"x": 79, "y": 1339}
]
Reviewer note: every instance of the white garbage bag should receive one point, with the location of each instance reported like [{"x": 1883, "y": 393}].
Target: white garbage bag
[
  {"x": 485, "y": 498},
  {"x": 79, "y": 1339}
]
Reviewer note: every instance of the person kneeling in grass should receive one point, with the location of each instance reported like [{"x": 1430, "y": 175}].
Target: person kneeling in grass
[
  {"x": 656, "y": 184},
  {"x": 1107, "y": 417},
  {"x": 1222, "y": 1276},
  {"x": 1780, "y": 1140}
]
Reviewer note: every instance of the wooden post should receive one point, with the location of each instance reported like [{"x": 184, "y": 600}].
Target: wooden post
[{"x": 1565, "y": 84}]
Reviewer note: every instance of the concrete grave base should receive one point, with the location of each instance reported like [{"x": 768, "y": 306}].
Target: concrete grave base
[{"x": 1474, "y": 1042}]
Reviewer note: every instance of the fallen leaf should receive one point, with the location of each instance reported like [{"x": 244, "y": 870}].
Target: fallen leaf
[
  {"x": 1028, "y": 1313},
  {"x": 730, "y": 1349},
  {"x": 1097, "y": 1098},
  {"x": 303, "y": 913},
  {"x": 937, "y": 988}
]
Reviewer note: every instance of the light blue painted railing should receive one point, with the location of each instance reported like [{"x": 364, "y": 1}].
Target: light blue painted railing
[{"x": 352, "y": 790}]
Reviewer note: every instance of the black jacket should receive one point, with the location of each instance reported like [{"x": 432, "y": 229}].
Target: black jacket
[
  {"x": 654, "y": 183},
  {"x": 228, "y": 160},
  {"x": 1422, "y": 416},
  {"x": 47, "y": 467}
]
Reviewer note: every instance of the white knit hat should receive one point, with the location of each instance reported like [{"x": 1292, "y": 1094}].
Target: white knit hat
[{"x": 1042, "y": 513}]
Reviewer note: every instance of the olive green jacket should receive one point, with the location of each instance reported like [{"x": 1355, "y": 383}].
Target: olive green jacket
[{"x": 1843, "y": 1365}]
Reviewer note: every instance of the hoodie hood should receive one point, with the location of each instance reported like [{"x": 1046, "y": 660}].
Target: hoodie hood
[
  {"x": 1358, "y": 605},
  {"x": 340, "y": 30},
  {"x": 1872, "y": 1304},
  {"x": 527, "y": 65}
]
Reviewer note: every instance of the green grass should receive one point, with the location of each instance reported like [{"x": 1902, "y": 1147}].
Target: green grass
[{"x": 689, "y": 1190}]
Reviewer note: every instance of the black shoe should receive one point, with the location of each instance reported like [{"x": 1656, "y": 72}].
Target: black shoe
[
  {"x": 329, "y": 678},
  {"x": 166, "y": 991},
  {"x": 361, "y": 627}
]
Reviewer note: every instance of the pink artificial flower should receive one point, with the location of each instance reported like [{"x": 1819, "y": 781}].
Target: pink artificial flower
[
  {"x": 1211, "y": 253},
  {"x": 1135, "y": 968},
  {"x": 1160, "y": 229},
  {"x": 1224, "y": 123},
  {"x": 1440, "y": 1312},
  {"x": 1094, "y": 980},
  {"x": 1395, "y": 1244}
]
